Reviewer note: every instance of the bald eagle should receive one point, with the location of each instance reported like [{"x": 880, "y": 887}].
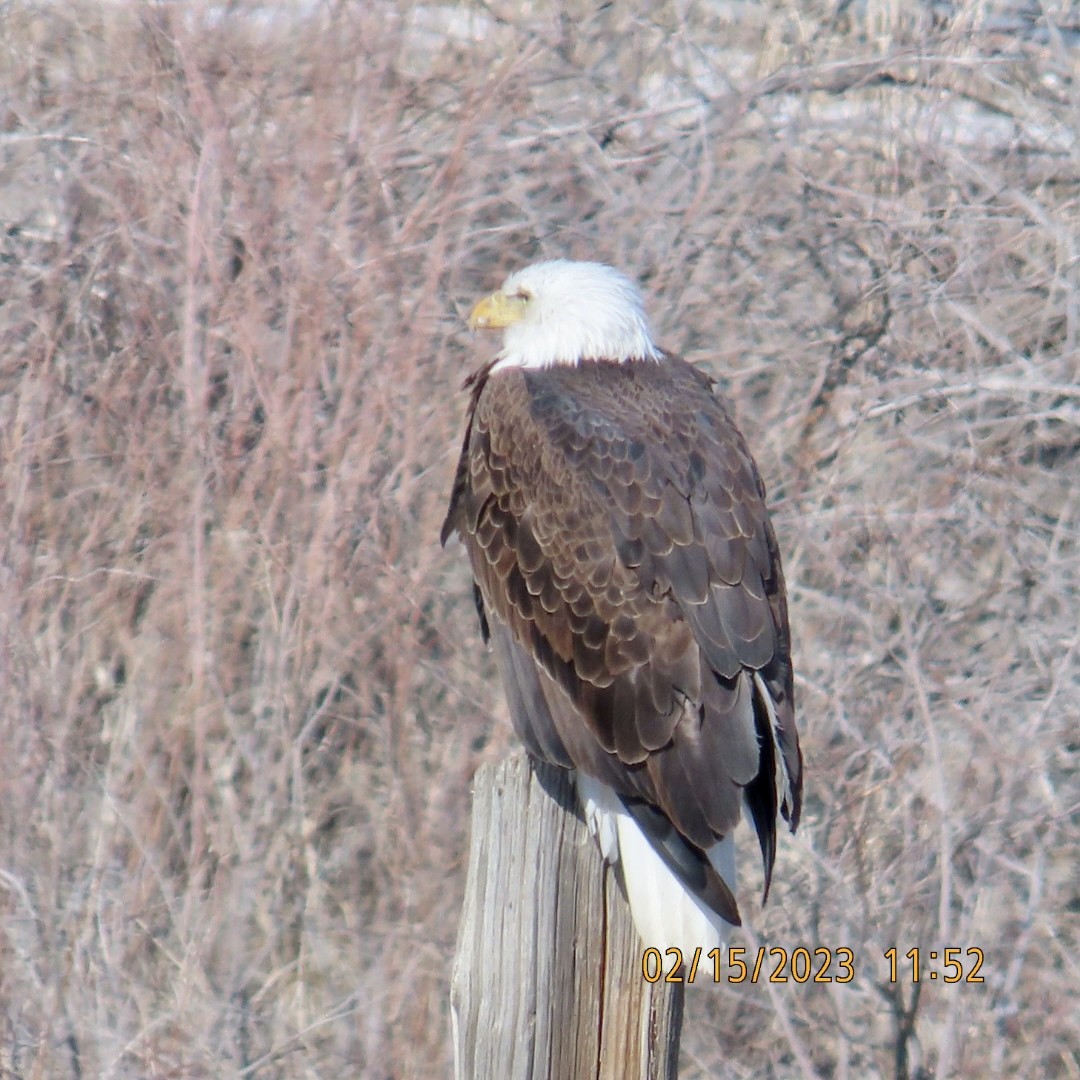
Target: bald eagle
[{"x": 628, "y": 578}]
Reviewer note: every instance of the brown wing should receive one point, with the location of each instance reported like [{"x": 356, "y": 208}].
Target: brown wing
[{"x": 617, "y": 531}]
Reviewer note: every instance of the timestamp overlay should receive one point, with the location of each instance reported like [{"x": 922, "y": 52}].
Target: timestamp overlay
[{"x": 777, "y": 964}]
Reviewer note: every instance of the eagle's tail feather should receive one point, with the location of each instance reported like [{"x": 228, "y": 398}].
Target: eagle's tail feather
[{"x": 666, "y": 912}]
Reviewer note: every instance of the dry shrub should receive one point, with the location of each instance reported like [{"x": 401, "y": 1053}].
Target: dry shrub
[{"x": 243, "y": 690}]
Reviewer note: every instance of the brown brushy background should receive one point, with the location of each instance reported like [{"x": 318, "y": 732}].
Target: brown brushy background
[{"x": 242, "y": 689}]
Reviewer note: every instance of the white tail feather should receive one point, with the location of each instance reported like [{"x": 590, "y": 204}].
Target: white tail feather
[
  {"x": 782, "y": 778},
  {"x": 665, "y": 914}
]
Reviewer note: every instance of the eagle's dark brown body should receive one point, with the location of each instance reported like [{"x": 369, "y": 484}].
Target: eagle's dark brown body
[{"x": 630, "y": 580}]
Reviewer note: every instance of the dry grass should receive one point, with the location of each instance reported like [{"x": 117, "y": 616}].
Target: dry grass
[{"x": 242, "y": 690}]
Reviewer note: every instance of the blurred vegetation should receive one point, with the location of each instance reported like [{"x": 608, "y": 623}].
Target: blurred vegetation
[{"x": 243, "y": 691}]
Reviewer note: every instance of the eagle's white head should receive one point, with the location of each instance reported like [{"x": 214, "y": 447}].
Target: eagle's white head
[{"x": 564, "y": 312}]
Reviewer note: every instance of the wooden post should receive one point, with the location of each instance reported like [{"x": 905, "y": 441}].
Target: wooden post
[{"x": 547, "y": 981}]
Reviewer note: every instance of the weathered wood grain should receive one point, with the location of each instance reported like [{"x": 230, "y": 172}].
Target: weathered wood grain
[{"x": 547, "y": 980}]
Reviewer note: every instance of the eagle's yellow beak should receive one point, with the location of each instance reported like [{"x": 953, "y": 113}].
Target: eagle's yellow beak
[{"x": 497, "y": 311}]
